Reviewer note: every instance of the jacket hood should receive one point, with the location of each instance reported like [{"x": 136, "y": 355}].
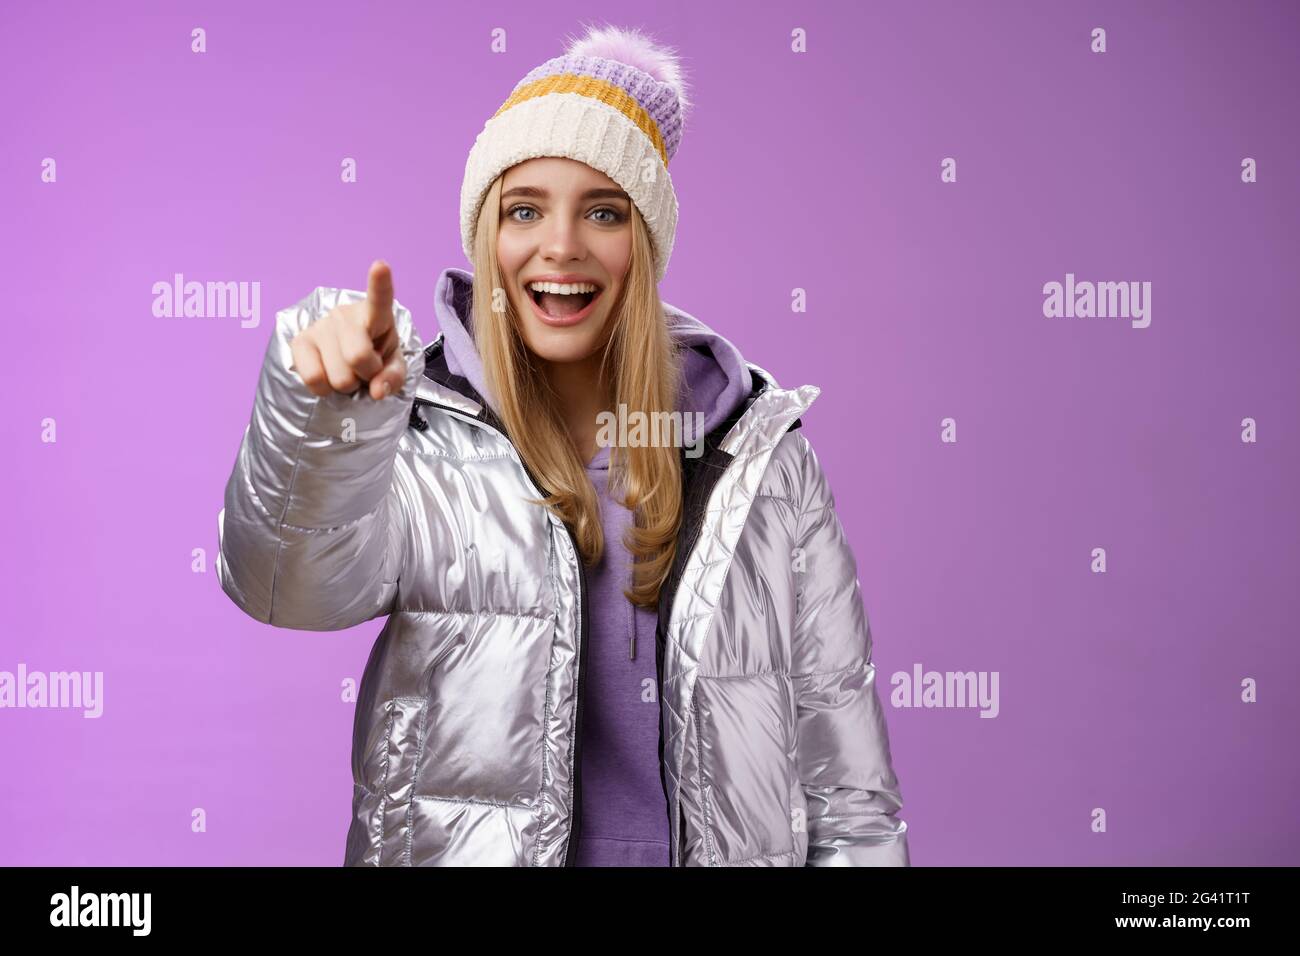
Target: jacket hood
[{"x": 715, "y": 376}]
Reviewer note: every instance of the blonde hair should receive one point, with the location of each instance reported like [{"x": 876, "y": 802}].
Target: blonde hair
[{"x": 640, "y": 369}]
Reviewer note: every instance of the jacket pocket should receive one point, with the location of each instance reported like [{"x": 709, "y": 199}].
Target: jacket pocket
[
  {"x": 745, "y": 743},
  {"x": 391, "y": 765}
]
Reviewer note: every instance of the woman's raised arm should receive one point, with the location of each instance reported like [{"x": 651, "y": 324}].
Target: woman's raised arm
[{"x": 311, "y": 532}]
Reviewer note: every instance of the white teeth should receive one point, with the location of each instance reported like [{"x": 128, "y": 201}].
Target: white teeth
[{"x": 557, "y": 288}]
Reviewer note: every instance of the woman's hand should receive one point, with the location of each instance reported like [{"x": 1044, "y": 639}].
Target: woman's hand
[{"x": 354, "y": 343}]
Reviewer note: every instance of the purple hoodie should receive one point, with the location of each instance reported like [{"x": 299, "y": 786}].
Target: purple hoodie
[{"x": 624, "y": 814}]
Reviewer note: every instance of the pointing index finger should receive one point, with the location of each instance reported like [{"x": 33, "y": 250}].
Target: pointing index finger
[{"x": 379, "y": 297}]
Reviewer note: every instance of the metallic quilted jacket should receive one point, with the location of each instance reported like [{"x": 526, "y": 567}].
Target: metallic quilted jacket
[{"x": 468, "y": 733}]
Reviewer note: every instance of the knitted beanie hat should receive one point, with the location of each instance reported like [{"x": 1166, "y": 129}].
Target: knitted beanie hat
[{"x": 614, "y": 100}]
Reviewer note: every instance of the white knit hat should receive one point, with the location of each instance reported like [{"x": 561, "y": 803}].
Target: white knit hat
[{"x": 614, "y": 100}]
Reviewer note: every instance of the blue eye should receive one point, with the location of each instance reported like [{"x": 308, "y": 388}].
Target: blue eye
[{"x": 615, "y": 217}]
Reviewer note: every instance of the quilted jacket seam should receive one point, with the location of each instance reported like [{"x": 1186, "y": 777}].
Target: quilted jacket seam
[
  {"x": 415, "y": 777},
  {"x": 803, "y": 491},
  {"x": 859, "y": 663},
  {"x": 426, "y": 453},
  {"x": 382, "y": 815},
  {"x": 699, "y": 778},
  {"x": 762, "y": 856},
  {"x": 848, "y": 816},
  {"x": 451, "y": 612},
  {"x": 743, "y": 676},
  {"x": 288, "y": 497},
  {"x": 500, "y": 804},
  {"x": 544, "y": 797}
]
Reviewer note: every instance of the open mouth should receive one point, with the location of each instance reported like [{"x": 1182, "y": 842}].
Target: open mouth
[{"x": 562, "y": 301}]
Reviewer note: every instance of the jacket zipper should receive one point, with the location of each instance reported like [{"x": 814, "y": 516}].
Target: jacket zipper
[
  {"x": 674, "y": 847},
  {"x": 575, "y": 817},
  {"x": 676, "y": 833},
  {"x": 575, "y": 825}
]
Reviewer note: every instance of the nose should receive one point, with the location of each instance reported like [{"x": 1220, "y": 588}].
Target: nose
[{"x": 562, "y": 240}]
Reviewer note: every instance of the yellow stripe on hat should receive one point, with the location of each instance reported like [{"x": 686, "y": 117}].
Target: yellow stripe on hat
[{"x": 597, "y": 89}]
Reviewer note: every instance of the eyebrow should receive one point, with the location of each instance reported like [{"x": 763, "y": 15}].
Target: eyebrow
[{"x": 539, "y": 193}]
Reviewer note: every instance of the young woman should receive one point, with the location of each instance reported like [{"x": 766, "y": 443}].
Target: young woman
[{"x": 624, "y": 623}]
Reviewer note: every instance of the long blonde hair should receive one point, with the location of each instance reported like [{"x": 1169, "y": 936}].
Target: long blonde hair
[{"x": 641, "y": 369}]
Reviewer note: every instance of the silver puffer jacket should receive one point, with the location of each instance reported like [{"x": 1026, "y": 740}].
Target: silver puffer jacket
[{"x": 466, "y": 750}]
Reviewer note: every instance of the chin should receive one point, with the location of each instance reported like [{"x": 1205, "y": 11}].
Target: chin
[{"x": 561, "y": 345}]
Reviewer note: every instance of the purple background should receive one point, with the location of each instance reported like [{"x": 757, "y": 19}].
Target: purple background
[{"x": 818, "y": 171}]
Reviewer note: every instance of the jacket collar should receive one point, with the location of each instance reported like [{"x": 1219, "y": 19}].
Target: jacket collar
[{"x": 441, "y": 386}]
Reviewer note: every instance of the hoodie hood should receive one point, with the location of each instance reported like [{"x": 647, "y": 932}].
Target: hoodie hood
[{"x": 715, "y": 376}]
